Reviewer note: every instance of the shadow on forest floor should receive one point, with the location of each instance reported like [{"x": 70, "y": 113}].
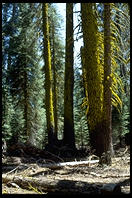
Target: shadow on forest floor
[{"x": 66, "y": 180}]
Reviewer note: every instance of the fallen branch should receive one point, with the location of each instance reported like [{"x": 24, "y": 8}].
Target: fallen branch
[
  {"x": 76, "y": 163},
  {"x": 12, "y": 170},
  {"x": 109, "y": 175}
]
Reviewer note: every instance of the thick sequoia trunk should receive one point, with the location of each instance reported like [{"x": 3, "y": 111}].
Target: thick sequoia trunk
[
  {"x": 97, "y": 91},
  {"x": 69, "y": 138},
  {"x": 101, "y": 141},
  {"x": 101, "y": 137},
  {"x": 92, "y": 77}
]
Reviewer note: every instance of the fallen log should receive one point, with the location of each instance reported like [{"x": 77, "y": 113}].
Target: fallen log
[
  {"x": 61, "y": 186},
  {"x": 71, "y": 164},
  {"x": 48, "y": 185}
]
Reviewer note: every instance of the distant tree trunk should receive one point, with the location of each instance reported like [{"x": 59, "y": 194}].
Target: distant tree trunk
[
  {"x": 54, "y": 81},
  {"x": 48, "y": 78},
  {"x": 29, "y": 133},
  {"x": 12, "y": 20},
  {"x": 25, "y": 101},
  {"x": 69, "y": 137}
]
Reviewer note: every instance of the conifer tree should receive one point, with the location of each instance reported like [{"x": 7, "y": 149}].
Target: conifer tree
[
  {"x": 48, "y": 78},
  {"x": 107, "y": 143},
  {"x": 98, "y": 55},
  {"x": 24, "y": 75},
  {"x": 69, "y": 137},
  {"x": 80, "y": 117},
  {"x": 57, "y": 59},
  {"x": 92, "y": 74},
  {"x": 53, "y": 57}
]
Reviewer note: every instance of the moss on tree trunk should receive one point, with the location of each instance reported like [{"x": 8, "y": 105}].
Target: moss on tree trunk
[
  {"x": 97, "y": 89},
  {"x": 48, "y": 78}
]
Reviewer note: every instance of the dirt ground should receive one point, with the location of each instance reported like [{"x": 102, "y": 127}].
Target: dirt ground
[{"x": 117, "y": 173}]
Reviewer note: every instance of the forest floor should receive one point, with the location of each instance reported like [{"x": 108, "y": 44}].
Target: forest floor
[{"x": 93, "y": 175}]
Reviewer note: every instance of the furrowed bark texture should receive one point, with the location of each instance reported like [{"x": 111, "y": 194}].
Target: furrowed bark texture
[{"x": 69, "y": 138}]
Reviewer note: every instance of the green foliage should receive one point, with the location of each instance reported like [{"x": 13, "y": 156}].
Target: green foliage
[
  {"x": 119, "y": 57},
  {"x": 80, "y": 118},
  {"x": 121, "y": 121},
  {"x": 24, "y": 74},
  {"x": 7, "y": 114},
  {"x": 121, "y": 29},
  {"x": 23, "y": 93}
]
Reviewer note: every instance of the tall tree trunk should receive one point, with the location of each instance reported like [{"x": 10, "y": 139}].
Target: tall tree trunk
[
  {"x": 92, "y": 76},
  {"x": 54, "y": 81},
  {"x": 48, "y": 78},
  {"x": 107, "y": 82},
  {"x": 69, "y": 137}
]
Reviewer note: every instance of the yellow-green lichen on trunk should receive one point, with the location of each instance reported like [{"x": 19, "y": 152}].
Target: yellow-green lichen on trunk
[
  {"x": 48, "y": 76},
  {"x": 92, "y": 66}
]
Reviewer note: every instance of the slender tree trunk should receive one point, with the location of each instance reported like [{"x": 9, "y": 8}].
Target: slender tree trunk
[
  {"x": 69, "y": 137},
  {"x": 25, "y": 102},
  {"x": 25, "y": 89},
  {"x": 48, "y": 78},
  {"x": 107, "y": 81},
  {"x": 54, "y": 81}
]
